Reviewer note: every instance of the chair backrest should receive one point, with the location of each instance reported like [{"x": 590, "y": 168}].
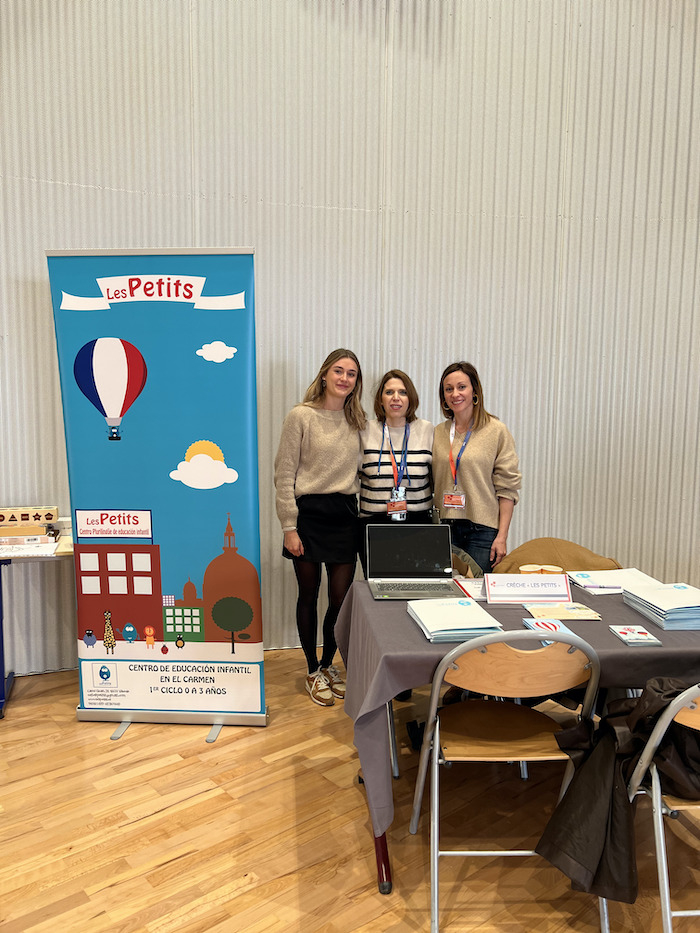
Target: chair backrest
[
  {"x": 685, "y": 710},
  {"x": 558, "y": 551},
  {"x": 517, "y": 664},
  {"x": 464, "y": 563}
]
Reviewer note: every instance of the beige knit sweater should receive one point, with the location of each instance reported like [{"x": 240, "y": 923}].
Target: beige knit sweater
[
  {"x": 319, "y": 453},
  {"x": 488, "y": 470}
]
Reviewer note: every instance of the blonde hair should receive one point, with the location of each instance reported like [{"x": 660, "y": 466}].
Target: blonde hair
[{"x": 315, "y": 394}]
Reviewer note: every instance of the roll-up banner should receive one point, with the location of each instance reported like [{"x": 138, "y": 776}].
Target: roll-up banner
[{"x": 156, "y": 353}]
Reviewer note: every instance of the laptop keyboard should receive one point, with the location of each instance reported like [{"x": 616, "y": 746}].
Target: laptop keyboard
[{"x": 436, "y": 587}]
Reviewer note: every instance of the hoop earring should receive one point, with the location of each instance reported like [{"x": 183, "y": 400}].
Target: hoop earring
[{"x": 475, "y": 399}]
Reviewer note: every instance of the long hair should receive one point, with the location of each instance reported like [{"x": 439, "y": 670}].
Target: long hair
[
  {"x": 413, "y": 400},
  {"x": 316, "y": 393},
  {"x": 481, "y": 416}
]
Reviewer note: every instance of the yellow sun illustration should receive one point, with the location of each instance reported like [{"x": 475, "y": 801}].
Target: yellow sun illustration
[{"x": 204, "y": 447}]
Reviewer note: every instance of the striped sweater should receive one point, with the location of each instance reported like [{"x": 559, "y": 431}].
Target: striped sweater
[{"x": 376, "y": 473}]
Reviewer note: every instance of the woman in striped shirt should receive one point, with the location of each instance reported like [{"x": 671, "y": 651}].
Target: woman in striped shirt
[{"x": 395, "y": 471}]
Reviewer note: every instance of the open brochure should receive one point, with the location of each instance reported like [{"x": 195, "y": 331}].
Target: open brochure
[
  {"x": 451, "y": 619},
  {"x": 561, "y": 611},
  {"x": 602, "y": 582}
]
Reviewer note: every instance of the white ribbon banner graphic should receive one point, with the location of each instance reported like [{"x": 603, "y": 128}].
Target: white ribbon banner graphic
[{"x": 122, "y": 288}]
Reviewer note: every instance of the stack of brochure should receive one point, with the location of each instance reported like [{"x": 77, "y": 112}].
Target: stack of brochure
[
  {"x": 452, "y": 619},
  {"x": 602, "y": 582},
  {"x": 672, "y": 606}
]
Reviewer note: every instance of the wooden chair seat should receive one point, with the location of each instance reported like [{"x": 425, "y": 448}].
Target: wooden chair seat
[
  {"x": 679, "y": 803},
  {"x": 488, "y": 730}
]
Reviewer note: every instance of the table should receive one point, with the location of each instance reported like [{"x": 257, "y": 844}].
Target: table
[
  {"x": 64, "y": 549},
  {"x": 385, "y": 652}
]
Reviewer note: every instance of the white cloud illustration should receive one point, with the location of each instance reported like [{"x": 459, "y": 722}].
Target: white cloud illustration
[
  {"x": 203, "y": 472},
  {"x": 216, "y": 352}
]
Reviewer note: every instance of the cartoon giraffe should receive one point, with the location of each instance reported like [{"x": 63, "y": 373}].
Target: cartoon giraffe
[{"x": 109, "y": 641}]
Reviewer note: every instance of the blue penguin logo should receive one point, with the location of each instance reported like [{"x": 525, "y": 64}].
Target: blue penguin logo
[{"x": 105, "y": 673}]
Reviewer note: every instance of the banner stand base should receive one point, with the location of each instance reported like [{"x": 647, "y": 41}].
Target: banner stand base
[{"x": 215, "y": 720}]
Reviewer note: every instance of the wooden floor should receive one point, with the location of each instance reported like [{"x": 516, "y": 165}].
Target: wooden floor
[{"x": 267, "y": 829}]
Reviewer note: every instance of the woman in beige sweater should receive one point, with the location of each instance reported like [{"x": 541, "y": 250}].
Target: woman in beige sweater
[
  {"x": 316, "y": 485},
  {"x": 475, "y": 468}
]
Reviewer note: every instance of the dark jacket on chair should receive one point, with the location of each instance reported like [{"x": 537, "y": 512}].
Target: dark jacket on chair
[{"x": 590, "y": 836}]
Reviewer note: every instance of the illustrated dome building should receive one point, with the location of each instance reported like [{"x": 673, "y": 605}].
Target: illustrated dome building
[
  {"x": 231, "y": 575},
  {"x": 189, "y": 595}
]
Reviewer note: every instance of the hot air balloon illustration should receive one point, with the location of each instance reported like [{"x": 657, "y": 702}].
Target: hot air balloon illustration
[{"x": 111, "y": 373}]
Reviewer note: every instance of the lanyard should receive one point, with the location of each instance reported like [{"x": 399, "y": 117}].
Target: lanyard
[
  {"x": 401, "y": 468},
  {"x": 454, "y": 466}
]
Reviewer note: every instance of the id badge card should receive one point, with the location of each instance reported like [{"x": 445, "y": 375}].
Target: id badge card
[
  {"x": 397, "y": 503},
  {"x": 454, "y": 500}
]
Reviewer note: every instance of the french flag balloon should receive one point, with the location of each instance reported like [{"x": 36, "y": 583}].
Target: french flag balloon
[{"x": 111, "y": 373}]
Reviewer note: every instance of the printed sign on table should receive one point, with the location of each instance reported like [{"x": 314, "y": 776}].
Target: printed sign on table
[
  {"x": 526, "y": 588},
  {"x": 157, "y": 362}
]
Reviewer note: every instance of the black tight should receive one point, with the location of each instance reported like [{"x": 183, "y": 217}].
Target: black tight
[{"x": 309, "y": 580}]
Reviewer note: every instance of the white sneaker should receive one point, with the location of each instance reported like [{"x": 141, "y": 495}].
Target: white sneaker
[
  {"x": 335, "y": 681},
  {"x": 318, "y": 689}
]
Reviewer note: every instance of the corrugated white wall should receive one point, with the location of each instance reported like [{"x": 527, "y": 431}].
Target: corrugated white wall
[{"x": 514, "y": 183}]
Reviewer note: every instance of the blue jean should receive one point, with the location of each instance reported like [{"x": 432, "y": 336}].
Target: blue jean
[{"x": 475, "y": 539}]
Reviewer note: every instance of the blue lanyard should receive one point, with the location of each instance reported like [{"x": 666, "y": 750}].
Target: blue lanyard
[
  {"x": 454, "y": 465},
  {"x": 402, "y": 468}
]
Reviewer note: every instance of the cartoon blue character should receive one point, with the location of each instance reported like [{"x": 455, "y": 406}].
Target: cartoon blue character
[
  {"x": 129, "y": 633},
  {"x": 105, "y": 672},
  {"x": 89, "y": 638}
]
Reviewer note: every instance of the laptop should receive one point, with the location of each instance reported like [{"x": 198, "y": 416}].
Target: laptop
[{"x": 410, "y": 561}]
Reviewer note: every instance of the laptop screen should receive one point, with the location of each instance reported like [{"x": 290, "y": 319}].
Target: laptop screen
[{"x": 402, "y": 551}]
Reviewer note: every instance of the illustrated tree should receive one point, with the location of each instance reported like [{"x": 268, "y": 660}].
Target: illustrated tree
[{"x": 232, "y": 614}]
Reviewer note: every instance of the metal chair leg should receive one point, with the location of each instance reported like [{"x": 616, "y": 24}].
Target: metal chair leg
[
  {"x": 660, "y": 842},
  {"x": 392, "y": 739},
  {"x": 423, "y": 764},
  {"x": 434, "y": 828},
  {"x": 604, "y": 919}
]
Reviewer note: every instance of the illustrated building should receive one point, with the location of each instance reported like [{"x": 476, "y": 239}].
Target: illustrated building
[
  {"x": 122, "y": 578},
  {"x": 231, "y": 575}
]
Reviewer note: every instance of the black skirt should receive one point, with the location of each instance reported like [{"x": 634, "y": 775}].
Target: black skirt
[{"x": 328, "y": 528}]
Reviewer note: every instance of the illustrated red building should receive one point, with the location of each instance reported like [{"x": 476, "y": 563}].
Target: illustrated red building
[{"x": 122, "y": 578}]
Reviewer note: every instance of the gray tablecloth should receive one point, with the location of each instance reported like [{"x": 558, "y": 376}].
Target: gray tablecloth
[{"x": 385, "y": 652}]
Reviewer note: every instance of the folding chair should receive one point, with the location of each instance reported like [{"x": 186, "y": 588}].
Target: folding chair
[
  {"x": 685, "y": 709},
  {"x": 507, "y": 664},
  {"x": 467, "y": 566}
]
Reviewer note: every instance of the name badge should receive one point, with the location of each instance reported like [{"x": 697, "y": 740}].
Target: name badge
[
  {"x": 454, "y": 500},
  {"x": 396, "y": 506}
]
